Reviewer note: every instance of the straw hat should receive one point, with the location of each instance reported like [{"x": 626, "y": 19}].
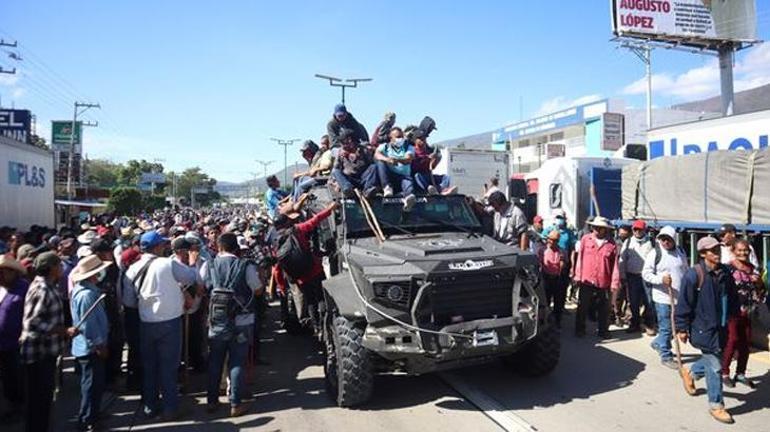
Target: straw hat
[
  {"x": 10, "y": 263},
  {"x": 87, "y": 237},
  {"x": 88, "y": 267},
  {"x": 601, "y": 222}
]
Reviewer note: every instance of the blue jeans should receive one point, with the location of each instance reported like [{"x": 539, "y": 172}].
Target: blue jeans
[
  {"x": 424, "y": 180},
  {"x": 236, "y": 348},
  {"x": 161, "y": 350},
  {"x": 399, "y": 182},
  {"x": 92, "y": 376},
  {"x": 662, "y": 341},
  {"x": 710, "y": 366},
  {"x": 637, "y": 296},
  {"x": 364, "y": 181},
  {"x": 648, "y": 293},
  {"x": 301, "y": 185}
]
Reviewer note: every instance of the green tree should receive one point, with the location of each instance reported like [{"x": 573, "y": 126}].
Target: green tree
[
  {"x": 102, "y": 172},
  {"x": 195, "y": 178},
  {"x": 126, "y": 201},
  {"x": 131, "y": 172}
]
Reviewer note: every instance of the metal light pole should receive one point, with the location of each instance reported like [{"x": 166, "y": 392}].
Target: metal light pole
[
  {"x": 76, "y": 113},
  {"x": 343, "y": 83},
  {"x": 264, "y": 164},
  {"x": 285, "y": 144},
  {"x": 644, "y": 51}
]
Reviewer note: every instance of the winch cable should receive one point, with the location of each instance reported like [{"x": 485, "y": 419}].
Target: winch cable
[{"x": 376, "y": 309}]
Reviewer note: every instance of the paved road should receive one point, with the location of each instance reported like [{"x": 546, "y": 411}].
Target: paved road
[{"x": 611, "y": 385}]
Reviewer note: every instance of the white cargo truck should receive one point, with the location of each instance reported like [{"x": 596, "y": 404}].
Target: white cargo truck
[
  {"x": 26, "y": 185},
  {"x": 470, "y": 170}
]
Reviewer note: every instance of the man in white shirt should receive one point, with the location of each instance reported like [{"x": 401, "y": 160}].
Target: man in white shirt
[
  {"x": 161, "y": 303},
  {"x": 664, "y": 268},
  {"x": 633, "y": 252}
]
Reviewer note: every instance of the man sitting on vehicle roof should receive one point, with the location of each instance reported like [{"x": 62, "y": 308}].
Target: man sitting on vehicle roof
[
  {"x": 342, "y": 119},
  {"x": 353, "y": 168},
  {"x": 394, "y": 167},
  {"x": 425, "y": 160},
  {"x": 320, "y": 161}
]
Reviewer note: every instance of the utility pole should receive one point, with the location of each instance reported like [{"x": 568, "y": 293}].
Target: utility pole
[
  {"x": 643, "y": 50},
  {"x": 343, "y": 83},
  {"x": 13, "y": 44},
  {"x": 285, "y": 144},
  {"x": 77, "y": 111}
]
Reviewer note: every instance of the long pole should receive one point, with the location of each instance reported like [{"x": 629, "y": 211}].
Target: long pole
[
  {"x": 285, "y": 144},
  {"x": 726, "y": 78},
  {"x": 648, "y": 71},
  {"x": 71, "y": 157}
]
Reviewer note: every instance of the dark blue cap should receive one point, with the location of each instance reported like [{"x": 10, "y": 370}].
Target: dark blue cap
[
  {"x": 151, "y": 239},
  {"x": 340, "y": 108}
]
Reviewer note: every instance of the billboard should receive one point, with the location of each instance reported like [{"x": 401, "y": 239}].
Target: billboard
[
  {"x": 16, "y": 124},
  {"x": 150, "y": 178},
  {"x": 61, "y": 134},
  {"x": 560, "y": 119},
  {"x": 612, "y": 131},
  {"x": 703, "y": 23},
  {"x": 740, "y": 132}
]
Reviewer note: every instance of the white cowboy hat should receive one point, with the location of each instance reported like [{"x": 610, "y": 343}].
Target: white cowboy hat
[
  {"x": 87, "y": 237},
  {"x": 88, "y": 267},
  {"x": 10, "y": 263},
  {"x": 84, "y": 251},
  {"x": 601, "y": 222}
]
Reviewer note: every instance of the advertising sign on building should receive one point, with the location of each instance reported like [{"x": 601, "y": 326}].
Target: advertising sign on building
[
  {"x": 61, "y": 158},
  {"x": 740, "y": 132},
  {"x": 61, "y": 134},
  {"x": 694, "y": 22},
  {"x": 555, "y": 150},
  {"x": 612, "y": 131},
  {"x": 557, "y": 120},
  {"x": 16, "y": 124}
]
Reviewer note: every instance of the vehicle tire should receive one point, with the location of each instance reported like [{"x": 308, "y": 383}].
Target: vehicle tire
[
  {"x": 540, "y": 356},
  {"x": 348, "y": 365}
]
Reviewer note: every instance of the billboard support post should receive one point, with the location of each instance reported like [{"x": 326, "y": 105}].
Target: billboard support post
[
  {"x": 726, "y": 78},
  {"x": 76, "y": 113}
]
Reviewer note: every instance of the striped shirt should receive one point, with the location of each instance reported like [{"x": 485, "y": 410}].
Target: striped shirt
[{"x": 43, "y": 311}]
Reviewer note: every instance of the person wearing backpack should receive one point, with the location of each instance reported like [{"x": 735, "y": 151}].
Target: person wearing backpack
[
  {"x": 664, "y": 267},
  {"x": 707, "y": 300},
  {"x": 633, "y": 252},
  {"x": 235, "y": 286},
  {"x": 298, "y": 261}
]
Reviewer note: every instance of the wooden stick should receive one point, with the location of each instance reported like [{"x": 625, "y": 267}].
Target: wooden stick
[
  {"x": 367, "y": 216},
  {"x": 677, "y": 347}
]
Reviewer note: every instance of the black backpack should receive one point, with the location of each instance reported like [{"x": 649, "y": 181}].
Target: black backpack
[
  {"x": 293, "y": 259},
  {"x": 427, "y": 125}
]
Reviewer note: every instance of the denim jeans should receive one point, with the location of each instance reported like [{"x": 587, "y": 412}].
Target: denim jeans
[
  {"x": 161, "y": 353},
  {"x": 650, "y": 301},
  {"x": 423, "y": 180},
  {"x": 301, "y": 185},
  {"x": 134, "y": 364},
  {"x": 710, "y": 366},
  {"x": 400, "y": 183},
  {"x": 364, "y": 181},
  {"x": 236, "y": 348},
  {"x": 92, "y": 376},
  {"x": 662, "y": 341},
  {"x": 637, "y": 296}
]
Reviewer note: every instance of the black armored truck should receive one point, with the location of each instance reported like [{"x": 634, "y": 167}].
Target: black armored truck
[{"x": 425, "y": 290}]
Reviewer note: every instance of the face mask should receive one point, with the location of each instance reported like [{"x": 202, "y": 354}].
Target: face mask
[
  {"x": 398, "y": 143},
  {"x": 561, "y": 223}
]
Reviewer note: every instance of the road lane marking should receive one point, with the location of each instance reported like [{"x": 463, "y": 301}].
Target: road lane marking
[{"x": 491, "y": 408}]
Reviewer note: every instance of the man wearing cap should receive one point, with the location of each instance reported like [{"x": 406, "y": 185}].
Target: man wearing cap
[
  {"x": 510, "y": 222},
  {"x": 102, "y": 248},
  {"x": 633, "y": 253},
  {"x": 156, "y": 282},
  {"x": 707, "y": 300},
  {"x": 13, "y": 289},
  {"x": 537, "y": 241},
  {"x": 727, "y": 234},
  {"x": 43, "y": 338},
  {"x": 193, "y": 295},
  {"x": 342, "y": 119},
  {"x": 664, "y": 267},
  {"x": 320, "y": 161},
  {"x": 553, "y": 261},
  {"x": 596, "y": 273},
  {"x": 354, "y": 167},
  {"x": 89, "y": 347}
]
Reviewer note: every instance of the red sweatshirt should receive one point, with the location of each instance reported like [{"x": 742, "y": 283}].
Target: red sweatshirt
[{"x": 303, "y": 231}]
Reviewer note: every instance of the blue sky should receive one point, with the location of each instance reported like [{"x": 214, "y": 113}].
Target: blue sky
[{"x": 208, "y": 83}]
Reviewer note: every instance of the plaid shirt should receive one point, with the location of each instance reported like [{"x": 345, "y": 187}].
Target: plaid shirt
[{"x": 43, "y": 311}]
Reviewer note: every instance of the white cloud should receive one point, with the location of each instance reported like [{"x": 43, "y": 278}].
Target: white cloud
[
  {"x": 560, "y": 102},
  {"x": 703, "y": 81}
]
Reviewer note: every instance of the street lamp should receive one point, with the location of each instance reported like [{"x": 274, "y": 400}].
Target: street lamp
[
  {"x": 264, "y": 164},
  {"x": 343, "y": 83},
  {"x": 285, "y": 144}
]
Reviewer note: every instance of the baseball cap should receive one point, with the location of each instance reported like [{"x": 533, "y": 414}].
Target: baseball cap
[
  {"x": 100, "y": 245},
  {"x": 707, "y": 243},
  {"x": 151, "y": 239},
  {"x": 180, "y": 243},
  {"x": 537, "y": 219},
  {"x": 559, "y": 213},
  {"x": 45, "y": 261},
  {"x": 726, "y": 228},
  {"x": 340, "y": 108},
  {"x": 639, "y": 225}
]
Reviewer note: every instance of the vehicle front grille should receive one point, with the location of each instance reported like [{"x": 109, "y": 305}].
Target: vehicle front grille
[{"x": 454, "y": 298}]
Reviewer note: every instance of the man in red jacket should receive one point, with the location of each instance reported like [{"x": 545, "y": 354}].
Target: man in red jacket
[{"x": 310, "y": 282}]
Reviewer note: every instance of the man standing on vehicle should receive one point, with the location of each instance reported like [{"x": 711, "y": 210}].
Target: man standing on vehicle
[
  {"x": 342, "y": 119},
  {"x": 510, "y": 222},
  {"x": 633, "y": 252},
  {"x": 234, "y": 295},
  {"x": 273, "y": 196},
  {"x": 596, "y": 271},
  {"x": 707, "y": 300}
]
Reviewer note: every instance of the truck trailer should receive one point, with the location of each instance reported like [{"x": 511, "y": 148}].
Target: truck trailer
[
  {"x": 470, "y": 170},
  {"x": 26, "y": 185}
]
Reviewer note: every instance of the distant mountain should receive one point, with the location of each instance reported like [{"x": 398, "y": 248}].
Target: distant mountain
[{"x": 246, "y": 188}]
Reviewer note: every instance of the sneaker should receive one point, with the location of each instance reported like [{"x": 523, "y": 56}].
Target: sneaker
[
  {"x": 727, "y": 382},
  {"x": 688, "y": 381},
  {"x": 670, "y": 363},
  {"x": 387, "y": 191},
  {"x": 650, "y": 331},
  {"x": 745, "y": 381},
  {"x": 655, "y": 346},
  {"x": 237, "y": 410},
  {"x": 409, "y": 202},
  {"x": 432, "y": 190},
  {"x": 721, "y": 415}
]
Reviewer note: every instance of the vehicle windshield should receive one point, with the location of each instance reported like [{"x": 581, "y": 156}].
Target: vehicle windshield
[{"x": 429, "y": 214}]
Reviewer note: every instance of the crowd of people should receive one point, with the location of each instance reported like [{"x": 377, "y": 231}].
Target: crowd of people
[{"x": 184, "y": 289}]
